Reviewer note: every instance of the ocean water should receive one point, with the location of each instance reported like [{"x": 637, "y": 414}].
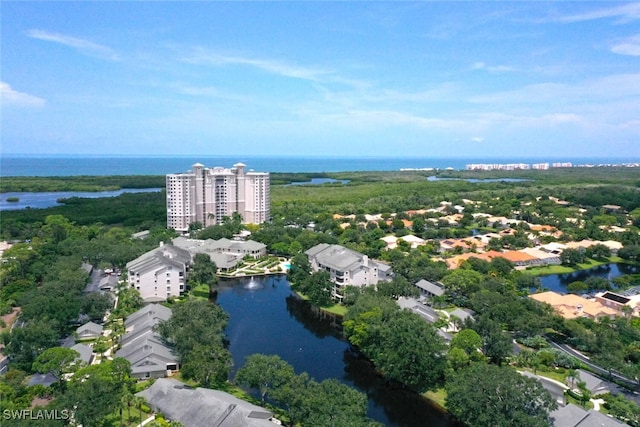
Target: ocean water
[{"x": 30, "y": 165}]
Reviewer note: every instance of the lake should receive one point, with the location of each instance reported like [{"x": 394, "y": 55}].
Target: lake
[
  {"x": 266, "y": 317},
  {"x": 559, "y": 282},
  {"x": 49, "y": 199},
  {"x": 320, "y": 181}
]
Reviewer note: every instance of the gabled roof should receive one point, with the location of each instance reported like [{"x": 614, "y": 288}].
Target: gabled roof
[
  {"x": 43, "y": 379},
  {"x": 141, "y": 350},
  {"x": 462, "y": 314},
  {"x": 90, "y": 327},
  {"x": 165, "y": 255},
  {"x": 85, "y": 352},
  {"x": 337, "y": 257},
  {"x": 203, "y": 407},
  {"x": 593, "y": 383},
  {"x": 567, "y": 416},
  {"x": 430, "y": 287},
  {"x": 149, "y": 311}
]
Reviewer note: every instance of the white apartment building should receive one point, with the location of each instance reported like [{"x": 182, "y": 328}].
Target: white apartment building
[
  {"x": 347, "y": 267},
  {"x": 159, "y": 274},
  {"x": 207, "y": 195}
]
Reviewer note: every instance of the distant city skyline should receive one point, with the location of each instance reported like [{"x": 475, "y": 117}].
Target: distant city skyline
[{"x": 441, "y": 79}]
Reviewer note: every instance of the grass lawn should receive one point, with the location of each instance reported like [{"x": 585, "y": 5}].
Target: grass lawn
[
  {"x": 200, "y": 291},
  {"x": 130, "y": 417},
  {"x": 563, "y": 269},
  {"x": 337, "y": 309},
  {"x": 438, "y": 397},
  {"x": 556, "y": 374}
]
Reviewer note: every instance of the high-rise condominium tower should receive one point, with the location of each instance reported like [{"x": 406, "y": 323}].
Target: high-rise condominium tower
[{"x": 208, "y": 195}]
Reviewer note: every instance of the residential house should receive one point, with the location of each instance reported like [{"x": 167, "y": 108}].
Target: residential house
[
  {"x": 519, "y": 258},
  {"x": 594, "y": 384},
  {"x": 574, "y": 416},
  {"x": 89, "y": 330},
  {"x": 160, "y": 273},
  {"x": 86, "y": 352},
  {"x": 429, "y": 289},
  {"x": 346, "y": 267},
  {"x": 573, "y": 306},
  {"x": 543, "y": 257},
  {"x": 617, "y": 301},
  {"x": 197, "y": 407},
  {"x": 149, "y": 355}
]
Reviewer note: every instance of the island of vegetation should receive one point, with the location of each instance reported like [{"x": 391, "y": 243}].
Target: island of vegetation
[{"x": 482, "y": 357}]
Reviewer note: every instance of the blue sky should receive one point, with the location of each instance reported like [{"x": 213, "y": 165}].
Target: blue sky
[{"x": 441, "y": 79}]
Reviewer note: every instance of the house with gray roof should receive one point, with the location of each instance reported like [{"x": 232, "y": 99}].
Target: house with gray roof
[
  {"x": 346, "y": 267},
  {"x": 197, "y": 407},
  {"x": 86, "y": 352},
  {"x": 594, "y": 384},
  {"x": 149, "y": 355},
  {"x": 89, "y": 330},
  {"x": 225, "y": 253},
  {"x": 574, "y": 416},
  {"x": 429, "y": 289},
  {"x": 160, "y": 273}
]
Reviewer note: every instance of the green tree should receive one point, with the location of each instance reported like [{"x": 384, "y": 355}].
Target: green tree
[
  {"x": 57, "y": 360},
  {"x": 485, "y": 395},
  {"x": 265, "y": 373},
  {"x": 208, "y": 364},
  {"x": 27, "y": 342},
  {"x": 203, "y": 270},
  {"x": 196, "y": 330},
  {"x": 572, "y": 256},
  {"x": 96, "y": 391}
]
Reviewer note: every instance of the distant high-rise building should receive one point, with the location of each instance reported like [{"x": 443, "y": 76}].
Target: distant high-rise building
[{"x": 207, "y": 196}]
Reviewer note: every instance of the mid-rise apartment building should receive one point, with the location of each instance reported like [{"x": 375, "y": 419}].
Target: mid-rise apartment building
[{"x": 207, "y": 195}]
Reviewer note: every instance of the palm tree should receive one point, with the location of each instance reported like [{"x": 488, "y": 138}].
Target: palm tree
[
  {"x": 573, "y": 375},
  {"x": 127, "y": 400},
  {"x": 138, "y": 402}
]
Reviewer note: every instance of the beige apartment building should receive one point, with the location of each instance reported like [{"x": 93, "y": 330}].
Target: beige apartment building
[{"x": 207, "y": 195}]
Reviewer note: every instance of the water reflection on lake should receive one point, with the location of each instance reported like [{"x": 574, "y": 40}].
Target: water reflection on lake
[
  {"x": 271, "y": 320},
  {"x": 320, "y": 181},
  {"x": 50, "y": 198},
  {"x": 559, "y": 282}
]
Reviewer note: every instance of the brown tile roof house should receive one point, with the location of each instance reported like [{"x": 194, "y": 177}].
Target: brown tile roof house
[{"x": 573, "y": 306}]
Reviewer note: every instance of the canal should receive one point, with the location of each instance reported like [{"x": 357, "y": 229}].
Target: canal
[{"x": 266, "y": 317}]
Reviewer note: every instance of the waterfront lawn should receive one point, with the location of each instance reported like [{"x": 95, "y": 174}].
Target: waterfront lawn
[
  {"x": 438, "y": 397},
  {"x": 563, "y": 269},
  {"x": 200, "y": 291},
  {"x": 337, "y": 309}
]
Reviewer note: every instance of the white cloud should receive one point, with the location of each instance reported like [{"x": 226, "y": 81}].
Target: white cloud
[
  {"x": 10, "y": 96},
  {"x": 85, "y": 47},
  {"x": 598, "y": 90},
  {"x": 627, "y": 12},
  {"x": 273, "y": 66},
  {"x": 629, "y": 46},
  {"x": 477, "y": 139},
  {"x": 491, "y": 68}
]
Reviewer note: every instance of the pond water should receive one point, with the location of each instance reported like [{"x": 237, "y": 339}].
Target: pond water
[
  {"x": 559, "y": 282},
  {"x": 320, "y": 181},
  {"x": 49, "y": 199},
  {"x": 266, "y": 317}
]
